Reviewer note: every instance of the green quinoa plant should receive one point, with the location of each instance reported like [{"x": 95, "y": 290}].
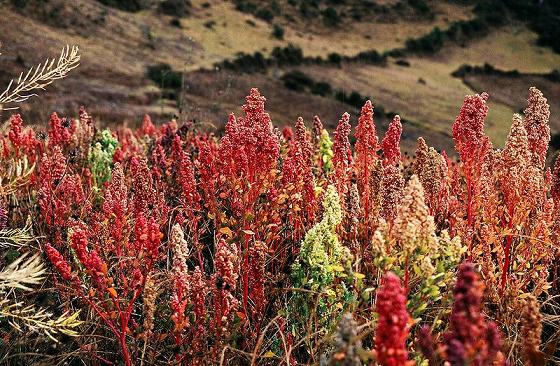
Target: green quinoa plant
[
  {"x": 100, "y": 157},
  {"x": 322, "y": 277},
  {"x": 412, "y": 249}
]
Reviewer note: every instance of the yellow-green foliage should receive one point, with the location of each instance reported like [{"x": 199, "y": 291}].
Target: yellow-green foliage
[
  {"x": 321, "y": 273},
  {"x": 325, "y": 149},
  {"x": 101, "y": 156},
  {"x": 321, "y": 252},
  {"x": 412, "y": 246}
]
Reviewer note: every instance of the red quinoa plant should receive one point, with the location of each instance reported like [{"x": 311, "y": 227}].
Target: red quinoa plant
[{"x": 187, "y": 248}]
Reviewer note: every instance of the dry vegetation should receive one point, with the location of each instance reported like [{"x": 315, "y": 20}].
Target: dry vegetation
[{"x": 119, "y": 46}]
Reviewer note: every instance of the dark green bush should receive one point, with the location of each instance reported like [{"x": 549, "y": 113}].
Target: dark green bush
[
  {"x": 330, "y": 17},
  {"x": 163, "y": 74},
  {"x": 278, "y": 32},
  {"x": 289, "y": 55},
  {"x": 371, "y": 57},
  {"x": 334, "y": 58},
  {"x": 246, "y": 63},
  {"x": 20, "y": 4},
  {"x": 297, "y": 81},
  {"x": 265, "y": 14},
  {"x": 178, "y": 8},
  {"x": 430, "y": 43},
  {"x": 127, "y": 5},
  {"x": 246, "y": 6},
  {"x": 321, "y": 88}
]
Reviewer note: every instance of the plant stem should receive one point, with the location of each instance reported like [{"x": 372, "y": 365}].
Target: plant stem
[{"x": 507, "y": 259}]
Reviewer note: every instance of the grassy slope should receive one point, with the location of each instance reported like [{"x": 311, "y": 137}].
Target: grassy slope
[
  {"x": 112, "y": 84},
  {"x": 435, "y": 103}
]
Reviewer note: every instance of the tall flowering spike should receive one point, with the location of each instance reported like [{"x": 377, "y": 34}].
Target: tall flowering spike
[
  {"x": 325, "y": 152},
  {"x": 515, "y": 160},
  {"x": 254, "y": 107},
  {"x": 375, "y": 188},
  {"x": 291, "y": 166},
  {"x": 536, "y": 119},
  {"x": 392, "y": 186},
  {"x": 89, "y": 258},
  {"x": 85, "y": 118},
  {"x": 414, "y": 226},
  {"x": 59, "y": 263},
  {"x": 427, "y": 345},
  {"x": 61, "y": 130},
  {"x": 317, "y": 128},
  {"x": 265, "y": 146},
  {"x": 149, "y": 304},
  {"x": 100, "y": 156},
  {"x": 16, "y": 134},
  {"x": 198, "y": 291},
  {"x": 52, "y": 169},
  {"x": 306, "y": 148},
  {"x": 466, "y": 321},
  {"x": 22, "y": 141},
  {"x": 148, "y": 128},
  {"x": 347, "y": 344},
  {"x": 473, "y": 146},
  {"x": 366, "y": 154},
  {"x": 531, "y": 330},
  {"x": 391, "y": 142},
  {"x": 555, "y": 182},
  {"x": 189, "y": 192},
  {"x": 517, "y": 143},
  {"x": 342, "y": 154},
  {"x": 226, "y": 263},
  {"x": 304, "y": 141},
  {"x": 393, "y": 324},
  {"x": 158, "y": 160},
  {"x": 115, "y": 203},
  {"x": 431, "y": 169},
  {"x": 180, "y": 251},
  {"x": 250, "y": 147},
  {"x": 468, "y": 128},
  {"x": 420, "y": 156},
  {"x": 321, "y": 246},
  {"x": 366, "y": 142},
  {"x": 470, "y": 339},
  {"x": 352, "y": 218},
  {"x": 145, "y": 198},
  {"x": 151, "y": 247},
  {"x": 55, "y": 165}
]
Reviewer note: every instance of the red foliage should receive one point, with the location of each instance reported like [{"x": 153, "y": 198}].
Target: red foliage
[
  {"x": 60, "y": 193},
  {"x": 537, "y": 114},
  {"x": 393, "y": 324},
  {"x": 470, "y": 339},
  {"x": 61, "y": 130},
  {"x": 391, "y": 143},
  {"x": 59, "y": 263},
  {"x": 342, "y": 156},
  {"x": 366, "y": 157}
]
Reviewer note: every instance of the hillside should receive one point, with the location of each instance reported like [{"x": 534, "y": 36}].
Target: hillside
[{"x": 119, "y": 46}]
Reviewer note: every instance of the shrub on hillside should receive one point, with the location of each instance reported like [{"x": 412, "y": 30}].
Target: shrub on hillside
[
  {"x": 128, "y": 5},
  {"x": 278, "y": 32},
  {"x": 431, "y": 42},
  {"x": 178, "y": 8},
  {"x": 330, "y": 17},
  {"x": 163, "y": 75}
]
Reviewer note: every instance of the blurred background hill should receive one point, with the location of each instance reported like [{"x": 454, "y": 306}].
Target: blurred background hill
[{"x": 198, "y": 59}]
